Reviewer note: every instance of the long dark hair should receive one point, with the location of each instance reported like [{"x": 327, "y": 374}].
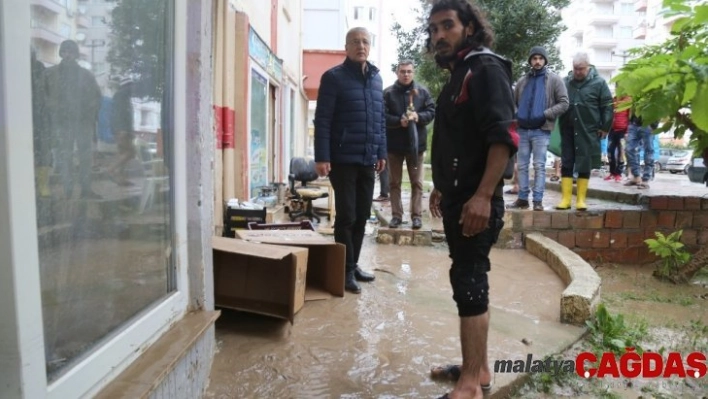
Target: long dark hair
[{"x": 468, "y": 13}]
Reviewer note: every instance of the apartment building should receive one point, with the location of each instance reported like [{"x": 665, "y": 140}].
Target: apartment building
[{"x": 605, "y": 29}]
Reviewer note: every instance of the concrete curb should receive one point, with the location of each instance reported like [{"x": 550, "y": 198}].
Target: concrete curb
[{"x": 582, "y": 294}]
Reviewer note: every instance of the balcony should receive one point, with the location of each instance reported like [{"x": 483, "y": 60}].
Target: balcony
[
  {"x": 49, "y": 5},
  {"x": 640, "y": 5},
  {"x": 47, "y": 35},
  {"x": 605, "y": 65},
  {"x": 598, "y": 18},
  {"x": 602, "y": 42},
  {"x": 82, "y": 21},
  {"x": 639, "y": 32}
]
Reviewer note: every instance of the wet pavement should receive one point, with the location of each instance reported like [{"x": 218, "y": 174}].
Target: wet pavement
[{"x": 383, "y": 342}]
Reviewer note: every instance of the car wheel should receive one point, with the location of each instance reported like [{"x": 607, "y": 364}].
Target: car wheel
[
  {"x": 685, "y": 169},
  {"x": 673, "y": 172},
  {"x": 657, "y": 167}
]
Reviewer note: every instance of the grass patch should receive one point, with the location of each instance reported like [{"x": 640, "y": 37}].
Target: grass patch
[{"x": 682, "y": 300}]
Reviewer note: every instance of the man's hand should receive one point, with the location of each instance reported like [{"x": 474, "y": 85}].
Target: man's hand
[
  {"x": 380, "y": 165},
  {"x": 435, "y": 198},
  {"x": 404, "y": 121},
  {"x": 413, "y": 116},
  {"x": 323, "y": 168},
  {"x": 475, "y": 216},
  {"x": 601, "y": 134}
]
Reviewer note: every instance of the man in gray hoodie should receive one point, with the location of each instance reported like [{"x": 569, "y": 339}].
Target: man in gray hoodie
[{"x": 540, "y": 97}]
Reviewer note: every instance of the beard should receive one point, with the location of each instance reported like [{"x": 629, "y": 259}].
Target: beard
[{"x": 444, "y": 61}]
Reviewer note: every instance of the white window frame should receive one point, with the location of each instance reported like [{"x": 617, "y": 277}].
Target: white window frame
[{"x": 24, "y": 365}]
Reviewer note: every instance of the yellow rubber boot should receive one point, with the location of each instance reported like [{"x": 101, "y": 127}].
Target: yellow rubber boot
[
  {"x": 567, "y": 191},
  {"x": 43, "y": 182},
  {"x": 582, "y": 194}
]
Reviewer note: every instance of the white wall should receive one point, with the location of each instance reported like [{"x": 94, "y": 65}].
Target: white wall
[
  {"x": 324, "y": 24},
  {"x": 258, "y": 12}
]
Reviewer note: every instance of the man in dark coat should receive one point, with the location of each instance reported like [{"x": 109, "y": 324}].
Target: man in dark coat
[
  {"x": 73, "y": 100},
  {"x": 350, "y": 145},
  {"x": 587, "y": 121},
  {"x": 398, "y": 99}
]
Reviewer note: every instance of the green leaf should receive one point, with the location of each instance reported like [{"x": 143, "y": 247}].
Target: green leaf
[
  {"x": 701, "y": 14},
  {"x": 700, "y": 106}
]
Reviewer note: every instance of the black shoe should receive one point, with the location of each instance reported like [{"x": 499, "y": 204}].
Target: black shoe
[
  {"x": 417, "y": 224},
  {"x": 395, "y": 222},
  {"x": 361, "y": 275},
  {"x": 519, "y": 204},
  {"x": 350, "y": 283},
  {"x": 537, "y": 206}
]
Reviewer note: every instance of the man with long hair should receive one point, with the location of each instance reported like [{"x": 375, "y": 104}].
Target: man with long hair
[{"x": 473, "y": 139}]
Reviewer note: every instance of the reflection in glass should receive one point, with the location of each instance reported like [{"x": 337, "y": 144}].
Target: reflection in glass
[
  {"x": 101, "y": 82},
  {"x": 259, "y": 134}
]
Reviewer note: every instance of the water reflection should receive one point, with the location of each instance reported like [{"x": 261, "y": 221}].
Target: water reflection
[{"x": 101, "y": 97}]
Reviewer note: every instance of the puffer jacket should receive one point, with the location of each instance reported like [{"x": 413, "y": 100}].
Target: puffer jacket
[
  {"x": 396, "y": 102},
  {"x": 349, "y": 118}
]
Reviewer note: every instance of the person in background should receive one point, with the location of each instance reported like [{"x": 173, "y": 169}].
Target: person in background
[
  {"x": 587, "y": 121},
  {"x": 541, "y": 97},
  {"x": 398, "y": 98},
  {"x": 73, "y": 99},
  {"x": 383, "y": 185},
  {"x": 350, "y": 145},
  {"x": 640, "y": 134},
  {"x": 41, "y": 134},
  {"x": 620, "y": 122}
]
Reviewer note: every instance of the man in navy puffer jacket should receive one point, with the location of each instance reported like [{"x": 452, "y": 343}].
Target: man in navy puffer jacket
[{"x": 350, "y": 144}]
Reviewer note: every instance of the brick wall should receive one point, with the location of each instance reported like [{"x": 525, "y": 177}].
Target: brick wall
[{"x": 618, "y": 235}]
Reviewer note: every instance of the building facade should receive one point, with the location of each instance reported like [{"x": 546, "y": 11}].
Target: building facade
[
  {"x": 106, "y": 279},
  {"x": 105, "y": 288},
  {"x": 602, "y": 28}
]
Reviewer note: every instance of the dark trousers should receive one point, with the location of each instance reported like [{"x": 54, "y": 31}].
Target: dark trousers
[
  {"x": 81, "y": 139},
  {"x": 614, "y": 152},
  {"x": 384, "y": 181},
  {"x": 353, "y": 190},
  {"x": 568, "y": 154},
  {"x": 470, "y": 257}
]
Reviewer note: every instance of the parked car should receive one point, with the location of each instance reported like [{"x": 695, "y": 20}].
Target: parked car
[
  {"x": 697, "y": 170},
  {"x": 662, "y": 159},
  {"x": 679, "y": 162}
]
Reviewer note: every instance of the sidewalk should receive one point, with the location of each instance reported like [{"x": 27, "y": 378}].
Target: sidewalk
[{"x": 383, "y": 342}]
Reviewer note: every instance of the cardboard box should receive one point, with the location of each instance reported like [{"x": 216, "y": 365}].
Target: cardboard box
[
  {"x": 275, "y": 280},
  {"x": 265, "y": 279},
  {"x": 325, "y": 260}
]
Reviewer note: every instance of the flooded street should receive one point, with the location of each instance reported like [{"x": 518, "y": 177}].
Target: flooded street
[{"x": 383, "y": 342}]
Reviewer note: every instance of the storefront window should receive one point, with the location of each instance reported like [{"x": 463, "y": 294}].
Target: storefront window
[
  {"x": 102, "y": 112},
  {"x": 259, "y": 134}
]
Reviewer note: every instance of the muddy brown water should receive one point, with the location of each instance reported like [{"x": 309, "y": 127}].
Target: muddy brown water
[{"x": 382, "y": 343}]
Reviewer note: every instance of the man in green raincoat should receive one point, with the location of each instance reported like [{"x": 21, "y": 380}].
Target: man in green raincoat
[{"x": 582, "y": 126}]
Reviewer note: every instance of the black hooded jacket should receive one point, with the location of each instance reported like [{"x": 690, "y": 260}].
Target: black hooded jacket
[{"x": 474, "y": 111}]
